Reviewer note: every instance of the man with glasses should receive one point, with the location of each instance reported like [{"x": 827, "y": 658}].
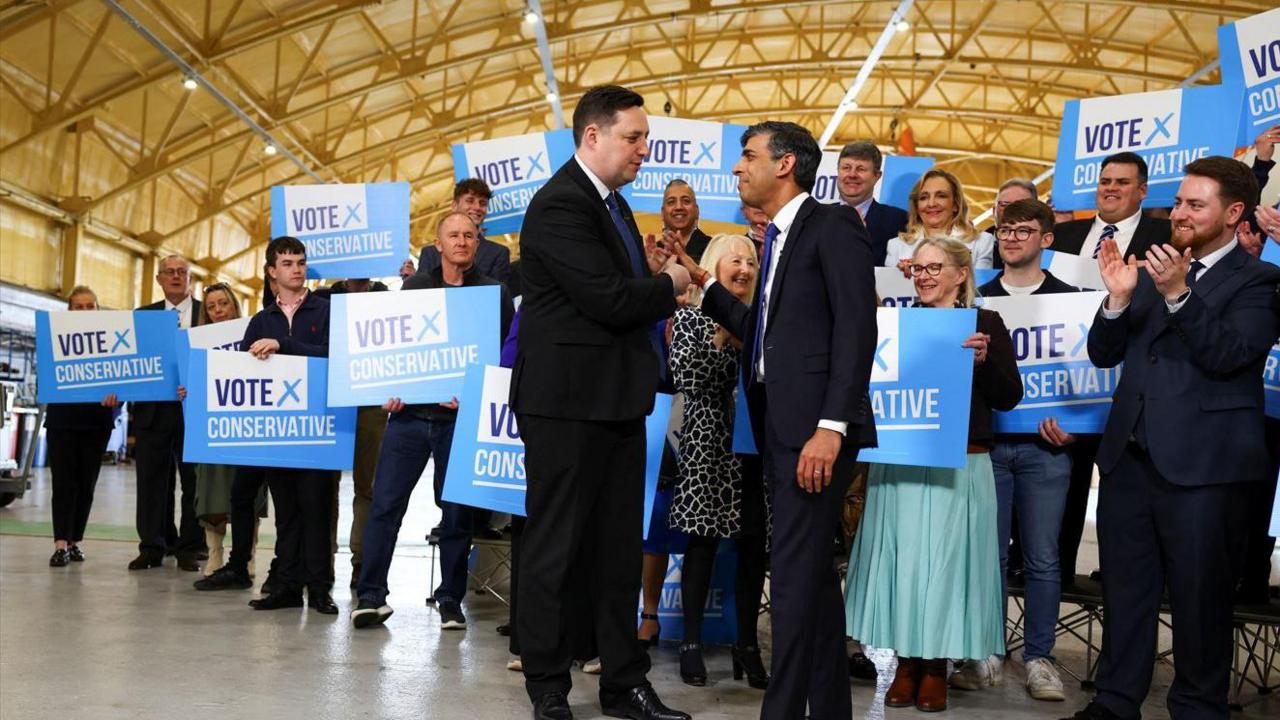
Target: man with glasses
[
  {"x": 157, "y": 427},
  {"x": 1033, "y": 471},
  {"x": 1010, "y": 191}
]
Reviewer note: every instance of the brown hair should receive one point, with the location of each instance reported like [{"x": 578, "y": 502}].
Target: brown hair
[
  {"x": 1236, "y": 183},
  {"x": 81, "y": 290},
  {"x": 472, "y": 186},
  {"x": 204, "y": 306},
  {"x": 1028, "y": 209}
]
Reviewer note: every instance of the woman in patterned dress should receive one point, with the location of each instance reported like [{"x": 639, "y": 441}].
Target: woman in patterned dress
[{"x": 714, "y": 498}]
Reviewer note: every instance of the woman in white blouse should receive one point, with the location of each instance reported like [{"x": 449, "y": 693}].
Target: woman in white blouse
[{"x": 938, "y": 209}]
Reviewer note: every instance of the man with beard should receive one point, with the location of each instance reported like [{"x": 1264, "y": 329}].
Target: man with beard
[
  {"x": 1193, "y": 326},
  {"x": 680, "y": 218}
]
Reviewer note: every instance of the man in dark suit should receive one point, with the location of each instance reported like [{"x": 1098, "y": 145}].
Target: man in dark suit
[
  {"x": 680, "y": 218},
  {"x": 584, "y": 379},
  {"x": 857, "y": 173},
  {"x": 471, "y": 197},
  {"x": 1193, "y": 328},
  {"x": 158, "y": 429},
  {"x": 808, "y": 344},
  {"x": 1122, "y": 187}
]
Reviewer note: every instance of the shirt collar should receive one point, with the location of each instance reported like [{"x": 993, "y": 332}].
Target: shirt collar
[
  {"x": 597, "y": 182},
  {"x": 864, "y": 207},
  {"x": 182, "y": 306},
  {"x": 1126, "y": 226},
  {"x": 787, "y": 215},
  {"x": 1212, "y": 258}
]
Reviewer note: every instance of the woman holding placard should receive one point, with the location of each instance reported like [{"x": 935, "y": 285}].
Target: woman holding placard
[
  {"x": 716, "y": 496},
  {"x": 924, "y": 572},
  {"x": 938, "y": 209},
  {"x": 77, "y": 436}
]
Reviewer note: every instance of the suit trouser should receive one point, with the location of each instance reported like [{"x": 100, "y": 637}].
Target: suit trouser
[
  {"x": 1153, "y": 534},
  {"x": 584, "y": 509},
  {"x": 75, "y": 459},
  {"x": 808, "y": 665},
  {"x": 158, "y": 453},
  {"x": 371, "y": 423},
  {"x": 304, "y": 504}
]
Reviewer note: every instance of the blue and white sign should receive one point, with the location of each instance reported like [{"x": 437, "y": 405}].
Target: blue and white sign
[
  {"x": 82, "y": 356},
  {"x": 1074, "y": 270},
  {"x": 894, "y": 289},
  {"x": 1249, "y": 50},
  {"x": 350, "y": 231},
  {"x": 719, "y": 615},
  {"x": 744, "y": 440},
  {"x": 413, "y": 344},
  {"x": 1275, "y": 513},
  {"x": 486, "y": 462},
  {"x": 699, "y": 152},
  {"x": 921, "y": 382},
  {"x": 272, "y": 413},
  {"x": 225, "y": 335},
  {"x": 1050, "y": 337},
  {"x": 514, "y": 168},
  {"x": 894, "y": 187},
  {"x": 1271, "y": 382},
  {"x": 1271, "y": 252},
  {"x": 1168, "y": 128}
]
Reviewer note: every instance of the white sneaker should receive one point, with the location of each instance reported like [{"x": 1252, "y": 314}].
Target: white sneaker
[
  {"x": 592, "y": 666},
  {"x": 978, "y": 674},
  {"x": 1043, "y": 682}
]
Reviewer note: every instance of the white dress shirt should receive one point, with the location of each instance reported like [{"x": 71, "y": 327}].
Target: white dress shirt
[
  {"x": 600, "y": 186},
  {"x": 1124, "y": 234},
  {"x": 184, "y": 311},
  {"x": 1208, "y": 261}
]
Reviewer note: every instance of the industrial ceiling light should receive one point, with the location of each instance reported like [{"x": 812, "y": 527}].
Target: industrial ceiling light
[
  {"x": 190, "y": 83},
  {"x": 551, "y": 97},
  {"x": 530, "y": 16},
  {"x": 902, "y": 26},
  {"x": 270, "y": 149}
]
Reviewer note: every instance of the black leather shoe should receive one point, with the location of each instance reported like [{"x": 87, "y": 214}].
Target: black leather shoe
[
  {"x": 225, "y": 578},
  {"x": 143, "y": 562},
  {"x": 639, "y": 703},
  {"x": 322, "y": 602},
  {"x": 693, "y": 671},
  {"x": 1094, "y": 711},
  {"x": 746, "y": 660},
  {"x": 278, "y": 601},
  {"x": 861, "y": 667},
  {"x": 552, "y": 706},
  {"x": 189, "y": 564},
  {"x": 504, "y": 630},
  {"x": 75, "y": 553},
  {"x": 60, "y": 558}
]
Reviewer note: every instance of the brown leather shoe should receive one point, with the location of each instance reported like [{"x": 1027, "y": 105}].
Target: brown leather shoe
[
  {"x": 932, "y": 696},
  {"x": 902, "y": 693}
]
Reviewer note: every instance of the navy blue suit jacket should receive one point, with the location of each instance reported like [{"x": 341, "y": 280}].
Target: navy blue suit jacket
[
  {"x": 820, "y": 335},
  {"x": 884, "y": 222},
  {"x": 1194, "y": 378}
]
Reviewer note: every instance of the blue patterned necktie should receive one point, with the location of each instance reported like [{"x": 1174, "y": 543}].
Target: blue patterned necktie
[
  {"x": 757, "y": 346},
  {"x": 1108, "y": 233},
  {"x": 628, "y": 240}
]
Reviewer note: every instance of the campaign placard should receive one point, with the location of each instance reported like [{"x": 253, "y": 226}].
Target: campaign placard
[
  {"x": 1275, "y": 513},
  {"x": 719, "y": 615},
  {"x": 1271, "y": 251},
  {"x": 699, "y": 152},
  {"x": 82, "y": 356},
  {"x": 350, "y": 230},
  {"x": 1050, "y": 341},
  {"x": 744, "y": 440},
  {"x": 894, "y": 187},
  {"x": 1168, "y": 128},
  {"x": 413, "y": 344},
  {"x": 1249, "y": 50},
  {"x": 894, "y": 289},
  {"x": 271, "y": 413},
  {"x": 1074, "y": 270},
  {"x": 225, "y": 335},
  {"x": 921, "y": 382},
  {"x": 486, "y": 461},
  {"x": 1271, "y": 382},
  {"x": 514, "y": 168}
]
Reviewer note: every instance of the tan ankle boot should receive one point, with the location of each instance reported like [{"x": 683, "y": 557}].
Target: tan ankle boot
[
  {"x": 213, "y": 537},
  {"x": 902, "y": 693}
]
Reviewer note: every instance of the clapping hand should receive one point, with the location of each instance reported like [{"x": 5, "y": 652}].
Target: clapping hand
[
  {"x": 1168, "y": 269},
  {"x": 1120, "y": 277},
  {"x": 1265, "y": 144},
  {"x": 1269, "y": 220},
  {"x": 655, "y": 254}
]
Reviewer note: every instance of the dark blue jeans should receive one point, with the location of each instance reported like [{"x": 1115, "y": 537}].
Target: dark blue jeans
[
  {"x": 1033, "y": 477},
  {"x": 408, "y": 444}
]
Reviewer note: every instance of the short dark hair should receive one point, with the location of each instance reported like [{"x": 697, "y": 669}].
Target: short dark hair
[
  {"x": 1236, "y": 182},
  {"x": 788, "y": 137},
  {"x": 679, "y": 181},
  {"x": 863, "y": 150},
  {"x": 1128, "y": 158},
  {"x": 1028, "y": 209},
  {"x": 285, "y": 245},
  {"x": 599, "y": 106},
  {"x": 472, "y": 186}
]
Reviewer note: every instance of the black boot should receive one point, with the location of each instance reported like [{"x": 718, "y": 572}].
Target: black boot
[
  {"x": 746, "y": 660},
  {"x": 692, "y": 669}
]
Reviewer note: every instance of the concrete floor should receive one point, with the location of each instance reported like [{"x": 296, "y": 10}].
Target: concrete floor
[{"x": 96, "y": 641}]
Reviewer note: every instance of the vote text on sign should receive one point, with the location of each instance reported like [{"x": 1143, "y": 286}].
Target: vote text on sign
[
  {"x": 225, "y": 335},
  {"x": 1249, "y": 50},
  {"x": 514, "y": 168},
  {"x": 349, "y": 230}
]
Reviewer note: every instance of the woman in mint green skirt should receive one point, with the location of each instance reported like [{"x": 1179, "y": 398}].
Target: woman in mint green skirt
[{"x": 924, "y": 572}]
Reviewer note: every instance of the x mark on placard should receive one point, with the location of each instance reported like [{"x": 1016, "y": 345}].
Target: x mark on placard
[
  {"x": 290, "y": 391},
  {"x": 429, "y": 324},
  {"x": 122, "y": 338}
]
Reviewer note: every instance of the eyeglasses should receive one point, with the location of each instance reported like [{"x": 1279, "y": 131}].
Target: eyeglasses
[
  {"x": 177, "y": 272},
  {"x": 1022, "y": 233},
  {"x": 933, "y": 269}
]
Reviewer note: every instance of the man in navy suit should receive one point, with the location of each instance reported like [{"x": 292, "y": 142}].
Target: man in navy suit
[
  {"x": 857, "y": 174},
  {"x": 1193, "y": 326},
  {"x": 471, "y": 197},
  {"x": 808, "y": 344}
]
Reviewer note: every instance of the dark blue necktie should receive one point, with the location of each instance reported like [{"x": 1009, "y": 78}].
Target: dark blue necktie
[
  {"x": 757, "y": 345},
  {"x": 1193, "y": 272},
  {"x": 628, "y": 240}
]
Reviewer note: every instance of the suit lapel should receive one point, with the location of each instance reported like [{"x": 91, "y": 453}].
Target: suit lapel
[
  {"x": 784, "y": 259},
  {"x": 616, "y": 249},
  {"x": 1221, "y": 270}
]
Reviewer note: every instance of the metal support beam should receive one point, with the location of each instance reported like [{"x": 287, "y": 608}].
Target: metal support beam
[
  {"x": 70, "y": 258},
  {"x": 548, "y": 68},
  {"x": 851, "y": 96}
]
